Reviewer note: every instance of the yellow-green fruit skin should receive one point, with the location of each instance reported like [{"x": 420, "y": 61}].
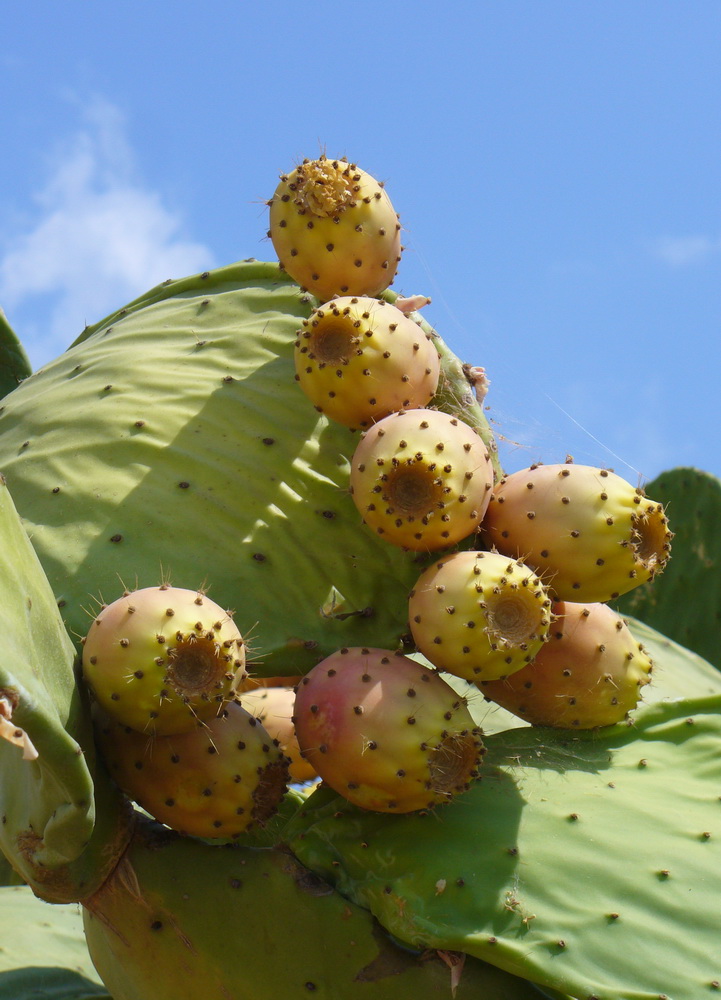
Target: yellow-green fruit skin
[
  {"x": 387, "y": 733},
  {"x": 161, "y": 658},
  {"x": 217, "y": 781},
  {"x": 479, "y": 615},
  {"x": 359, "y": 359},
  {"x": 421, "y": 479},
  {"x": 587, "y": 532},
  {"x": 334, "y": 229},
  {"x": 589, "y": 674}
]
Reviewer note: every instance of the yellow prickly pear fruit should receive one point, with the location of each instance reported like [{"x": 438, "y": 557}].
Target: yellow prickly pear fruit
[
  {"x": 421, "y": 479},
  {"x": 590, "y": 672},
  {"x": 334, "y": 229},
  {"x": 217, "y": 781},
  {"x": 160, "y": 658},
  {"x": 479, "y": 615},
  {"x": 590, "y": 534},
  {"x": 359, "y": 359}
]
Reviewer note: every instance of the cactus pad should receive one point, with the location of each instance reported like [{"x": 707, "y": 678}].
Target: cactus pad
[
  {"x": 587, "y": 862},
  {"x": 14, "y": 363},
  {"x": 182, "y": 918},
  {"x": 685, "y": 602},
  {"x": 59, "y": 833}
]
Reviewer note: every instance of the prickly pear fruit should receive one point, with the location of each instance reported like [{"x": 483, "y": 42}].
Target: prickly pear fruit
[
  {"x": 479, "y": 615},
  {"x": 422, "y": 479},
  {"x": 334, "y": 229},
  {"x": 387, "y": 733},
  {"x": 588, "y": 532},
  {"x": 273, "y": 707},
  {"x": 359, "y": 359},
  {"x": 160, "y": 658},
  {"x": 590, "y": 673},
  {"x": 217, "y": 781}
]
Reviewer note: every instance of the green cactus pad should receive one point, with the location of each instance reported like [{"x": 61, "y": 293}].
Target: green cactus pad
[
  {"x": 43, "y": 954},
  {"x": 182, "y": 918},
  {"x": 172, "y": 441},
  {"x": 47, "y": 802},
  {"x": 685, "y": 601},
  {"x": 589, "y": 863},
  {"x": 14, "y": 363}
]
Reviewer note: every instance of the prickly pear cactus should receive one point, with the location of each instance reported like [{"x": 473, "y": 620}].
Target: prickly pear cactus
[
  {"x": 685, "y": 602},
  {"x": 172, "y": 440}
]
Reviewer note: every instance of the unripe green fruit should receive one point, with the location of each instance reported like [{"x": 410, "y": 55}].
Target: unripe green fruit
[
  {"x": 387, "y": 733},
  {"x": 217, "y": 781},
  {"x": 422, "y": 479},
  {"x": 359, "y": 359},
  {"x": 590, "y": 534},
  {"x": 479, "y": 615},
  {"x": 334, "y": 229},
  {"x": 161, "y": 658},
  {"x": 590, "y": 672}
]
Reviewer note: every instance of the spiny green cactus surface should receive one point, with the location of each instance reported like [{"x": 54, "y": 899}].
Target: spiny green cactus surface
[
  {"x": 588, "y": 862},
  {"x": 43, "y": 954},
  {"x": 182, "y": 918},
  {"x": 56, "y": 830},
  {"x": 173, "y": 441},
  {"x": 14, "y": 363},
  {"x": 685, "y": 601}
]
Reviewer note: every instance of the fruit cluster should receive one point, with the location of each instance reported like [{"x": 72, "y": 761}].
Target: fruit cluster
[{"x": 513, "y": 597}]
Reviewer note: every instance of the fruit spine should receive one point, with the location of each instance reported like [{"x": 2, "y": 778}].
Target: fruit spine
[
  {"x": 359, "y": 359},
  {"x": 334, "y": 229},
  {"x": 387, "y": 733}
]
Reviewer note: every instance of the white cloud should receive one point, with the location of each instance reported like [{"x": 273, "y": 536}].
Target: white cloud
[
  {"x": 681, "y": 251},
  {"x": 99, "y": 237}
]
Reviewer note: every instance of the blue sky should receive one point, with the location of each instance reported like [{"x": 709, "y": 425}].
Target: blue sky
[{"x": 555, "y": 164}]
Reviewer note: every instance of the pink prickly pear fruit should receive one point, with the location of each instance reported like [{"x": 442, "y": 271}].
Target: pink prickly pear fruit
[
  {"x": 479, "y": 615},
  {"x": 160, "y": 658},
  {"x": 421, "y": 479},
  {"x": 387, "y": 733},
  {"x": 590, "y": 672},
  {"x": 217, "y": 781},
  {"x": 589, "y": 533},
  {"x": 334, "y": 229},
  {"x": 359, "y": 359},
  {"x": 273, "y": 707}
]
